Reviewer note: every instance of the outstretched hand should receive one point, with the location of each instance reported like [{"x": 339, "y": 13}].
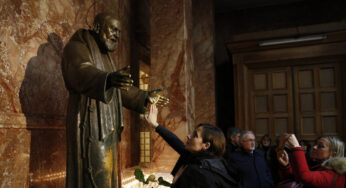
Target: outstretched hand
[
  {"x": 121, "y": 79},
  {"x": 151, "y": 117},
  {"x": 155, "y": 98}
]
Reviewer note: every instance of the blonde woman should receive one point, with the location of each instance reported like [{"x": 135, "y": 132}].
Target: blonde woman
[{"x": 327, "y": 155}]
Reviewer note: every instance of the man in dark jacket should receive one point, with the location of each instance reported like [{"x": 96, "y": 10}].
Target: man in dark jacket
[
  {"x": 232, "y": 142},
  {"x": 250, "y": 164}
]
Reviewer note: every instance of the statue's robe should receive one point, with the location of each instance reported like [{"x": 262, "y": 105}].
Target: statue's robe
[{"x": 94, "y": 116}]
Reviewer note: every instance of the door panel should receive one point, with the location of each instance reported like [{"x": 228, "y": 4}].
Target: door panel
[
  {"x": 301, "y": 99},
  {"x": 318, "y": 106},
  {"x": 271, "y": 96}
]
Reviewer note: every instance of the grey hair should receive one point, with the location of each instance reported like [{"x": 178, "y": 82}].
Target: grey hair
[
  {"x": 243, "y": 133},
  {"x": 232, "y": 131},
  {"x": 337, "y": 146}
]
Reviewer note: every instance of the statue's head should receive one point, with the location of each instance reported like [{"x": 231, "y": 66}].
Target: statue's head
[{"x": 107, "y": 29}]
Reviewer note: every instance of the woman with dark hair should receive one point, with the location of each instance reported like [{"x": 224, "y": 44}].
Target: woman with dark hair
[
  {"x": 265, "y": 147},
  {"x": 327, "y": 155},
  {"x": 200, "y": 163}
]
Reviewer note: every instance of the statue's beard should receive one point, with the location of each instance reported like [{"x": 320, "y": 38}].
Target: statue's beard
[
  {"x": 107, "y": 44},
  {"x": 110, "y": 45}
]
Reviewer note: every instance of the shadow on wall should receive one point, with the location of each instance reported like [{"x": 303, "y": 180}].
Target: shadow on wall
[
  {"x": 43, "y": 92},
  {"x": 43, "y": 99}
]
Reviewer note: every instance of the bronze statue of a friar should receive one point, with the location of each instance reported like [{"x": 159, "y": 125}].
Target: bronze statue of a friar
[{"x": 97, "y": 92}]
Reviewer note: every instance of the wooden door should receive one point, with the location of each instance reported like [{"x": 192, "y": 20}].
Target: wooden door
[
  {"x": 271, "y": 101},
  {"x": 304, "y": 100},
  {"x": 318, "y": 100}
]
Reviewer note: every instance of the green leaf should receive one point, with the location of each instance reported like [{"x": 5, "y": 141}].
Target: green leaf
[
  {"x": 139, "y": 175},
  {"x": 151, "y": 178},
  {"x": 163, "y": 182}
]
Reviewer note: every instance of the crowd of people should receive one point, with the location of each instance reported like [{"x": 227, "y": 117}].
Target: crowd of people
[{"x": 209, "y": 159}]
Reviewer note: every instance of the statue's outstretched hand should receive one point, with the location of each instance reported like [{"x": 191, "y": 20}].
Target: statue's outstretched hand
[
  {"x": 120, "y": 79},
  {"x": 155, "y": 98}
]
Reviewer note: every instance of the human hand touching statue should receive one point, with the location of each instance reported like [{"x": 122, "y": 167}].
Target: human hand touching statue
[
  {"x": 151, "y": 117},
  {"x": 155, "y": 98},
  {"x": 120, "y": 79}
]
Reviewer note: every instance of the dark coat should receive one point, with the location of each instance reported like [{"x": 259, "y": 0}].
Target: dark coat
[
  {"x": 252, "y": 169},
  {"x": 202, "y": 170},
  {"x": 94, "y": 116},
  {"x": 230, "y": 148},
  {"x": 272, "y": 161}
]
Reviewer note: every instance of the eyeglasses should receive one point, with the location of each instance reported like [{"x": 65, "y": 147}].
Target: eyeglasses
[{"x": 250, "y": 140}]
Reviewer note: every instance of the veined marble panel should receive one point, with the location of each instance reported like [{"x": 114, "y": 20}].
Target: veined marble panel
[
  {"x": 14, "y": 157},
  {"x": 171, "y": 69},
  {"x": 47, "y": 158},
  {"x": 203, "y": 49}
]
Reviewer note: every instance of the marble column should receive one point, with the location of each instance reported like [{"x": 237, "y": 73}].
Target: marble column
[
  {"x": 182, "y": 62},
  {"x": 203, "y": 53},
  {"x": 172, "y": 69}
]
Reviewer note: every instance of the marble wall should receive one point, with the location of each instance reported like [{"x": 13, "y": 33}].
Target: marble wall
[
  {"x": 170, "y": 70},
  {"x": 33, "y": 98},
  {"x": 182, "y": 63},
  {"x": 203, "y": 53}
]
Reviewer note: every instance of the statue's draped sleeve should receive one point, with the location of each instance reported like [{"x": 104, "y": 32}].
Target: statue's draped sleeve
[{"x": 134, "y": 99}]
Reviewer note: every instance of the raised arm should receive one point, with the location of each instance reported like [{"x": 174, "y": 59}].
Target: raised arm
[{"x": 167, "y": 135}]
